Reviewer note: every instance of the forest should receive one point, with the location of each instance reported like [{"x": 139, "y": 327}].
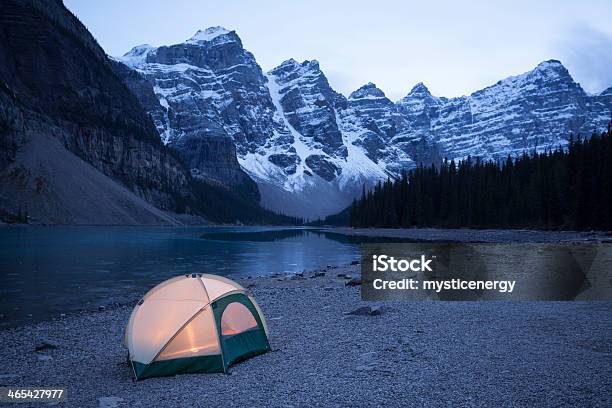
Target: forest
[{"x": 557, "y": 189}]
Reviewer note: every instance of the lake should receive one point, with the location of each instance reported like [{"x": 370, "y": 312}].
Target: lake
[{"x": 47, "y": 271}]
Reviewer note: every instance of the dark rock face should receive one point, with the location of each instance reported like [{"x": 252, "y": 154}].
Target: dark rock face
[
  {"x": 141, "y": 87},
  {"x": 57, "y": 81},
  {"x": 287, "y": 162},
  {"x": 324, "y": 168},
  {"x": 12, "y": 126},
  {"x": 214, "y": 159}
]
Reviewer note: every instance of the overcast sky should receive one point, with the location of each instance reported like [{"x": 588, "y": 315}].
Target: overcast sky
[{"x": 453, "y": 47}]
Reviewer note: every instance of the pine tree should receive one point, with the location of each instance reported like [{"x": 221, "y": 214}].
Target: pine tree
[{"x": 558, "y": 188}]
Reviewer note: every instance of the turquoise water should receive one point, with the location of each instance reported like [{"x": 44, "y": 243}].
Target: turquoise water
[{"x": 46, "y": 271}]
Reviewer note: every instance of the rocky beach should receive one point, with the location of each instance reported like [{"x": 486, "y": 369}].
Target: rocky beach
[{"x": 331, "y": 348}]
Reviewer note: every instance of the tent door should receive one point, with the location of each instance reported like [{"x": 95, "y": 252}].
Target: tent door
[{"x": 240, "y": 329}]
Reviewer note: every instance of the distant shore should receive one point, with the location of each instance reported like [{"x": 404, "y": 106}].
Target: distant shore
[
  {"x": 417, "y": 234},
  {"x": 474, "y": 235},
  {"x": 331, "y": 348}
]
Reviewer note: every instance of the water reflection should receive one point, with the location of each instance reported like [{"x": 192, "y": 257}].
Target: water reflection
[
  {"x": 285, "y": 234},
  {"x": 258, "y": 236},
  {"x": 48, "y": 271}
]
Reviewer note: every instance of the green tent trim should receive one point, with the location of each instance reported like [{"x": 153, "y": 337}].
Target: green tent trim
[
  {"x": 234, "y": 349},
  {"x": 243, "y": 345},
  {"x": 185, "y": 365}
]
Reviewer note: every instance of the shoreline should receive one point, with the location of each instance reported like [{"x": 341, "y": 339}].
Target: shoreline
[
  {"x": 353, "y": 236},
  {"x": 408, "y": 353},
  {"x": 473, "y": 235},
  {"x": 424, "y": 234}
]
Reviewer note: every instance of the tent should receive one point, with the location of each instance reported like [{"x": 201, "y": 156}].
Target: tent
[{"x": 195, "y": 323}]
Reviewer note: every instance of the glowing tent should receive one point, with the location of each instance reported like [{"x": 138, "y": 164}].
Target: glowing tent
[{"x": 194, "y": 323}]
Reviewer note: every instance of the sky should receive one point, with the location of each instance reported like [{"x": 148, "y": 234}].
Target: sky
[{"x": 455, "y": 48}]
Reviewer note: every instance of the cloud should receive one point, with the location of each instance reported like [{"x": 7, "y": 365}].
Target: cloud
[{"x": 587, "y": 53}]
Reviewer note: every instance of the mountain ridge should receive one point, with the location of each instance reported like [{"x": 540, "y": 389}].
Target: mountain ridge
[{"x": 295, "y": 135}]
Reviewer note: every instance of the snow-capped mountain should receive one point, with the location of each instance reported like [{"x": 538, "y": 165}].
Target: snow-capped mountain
[
  {"x": 309, "y": 148},
  {"x": 218, "y": 109},
  {"x": 533, "y": 111}
]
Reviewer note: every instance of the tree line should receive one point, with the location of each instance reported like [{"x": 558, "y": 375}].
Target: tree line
[
  {"x": 557, "y": 189},
  {"x": 226, "y": 205}
]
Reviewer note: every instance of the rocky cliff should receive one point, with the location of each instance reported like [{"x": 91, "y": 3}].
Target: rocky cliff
[{"x": 56, "y": 82}]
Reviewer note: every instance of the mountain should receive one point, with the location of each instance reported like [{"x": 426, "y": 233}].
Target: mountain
[
  {"x": 61, "y": 103},
  {"x": 310, "y": 149},
  {"x": 533, "y": 111},
  {"x": 206, "y": 87},
  {"x": 78, "y": 147},
  {"x": 284, "y": 125}
]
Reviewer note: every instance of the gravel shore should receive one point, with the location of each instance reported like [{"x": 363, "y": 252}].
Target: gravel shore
[{"x": 410, "y": 354}]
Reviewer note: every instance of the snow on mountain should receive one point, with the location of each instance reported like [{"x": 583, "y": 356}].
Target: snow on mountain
[
  {"x": 207, "y": 35},
  {"x": 213, "y": 103},
  {"x": 283, "y": 125},
  {"x": 136, "y": 55},
  {"x": 374, "y": 121},
  {"x": 310, "y": 149},
  {"x": 532, "y": 111}
]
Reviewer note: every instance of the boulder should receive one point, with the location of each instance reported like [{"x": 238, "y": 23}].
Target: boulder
[
  {"x": 46, "y": 344},
  {"x": 366, "y": 311},
  {"x": 353, "y": 282}
]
